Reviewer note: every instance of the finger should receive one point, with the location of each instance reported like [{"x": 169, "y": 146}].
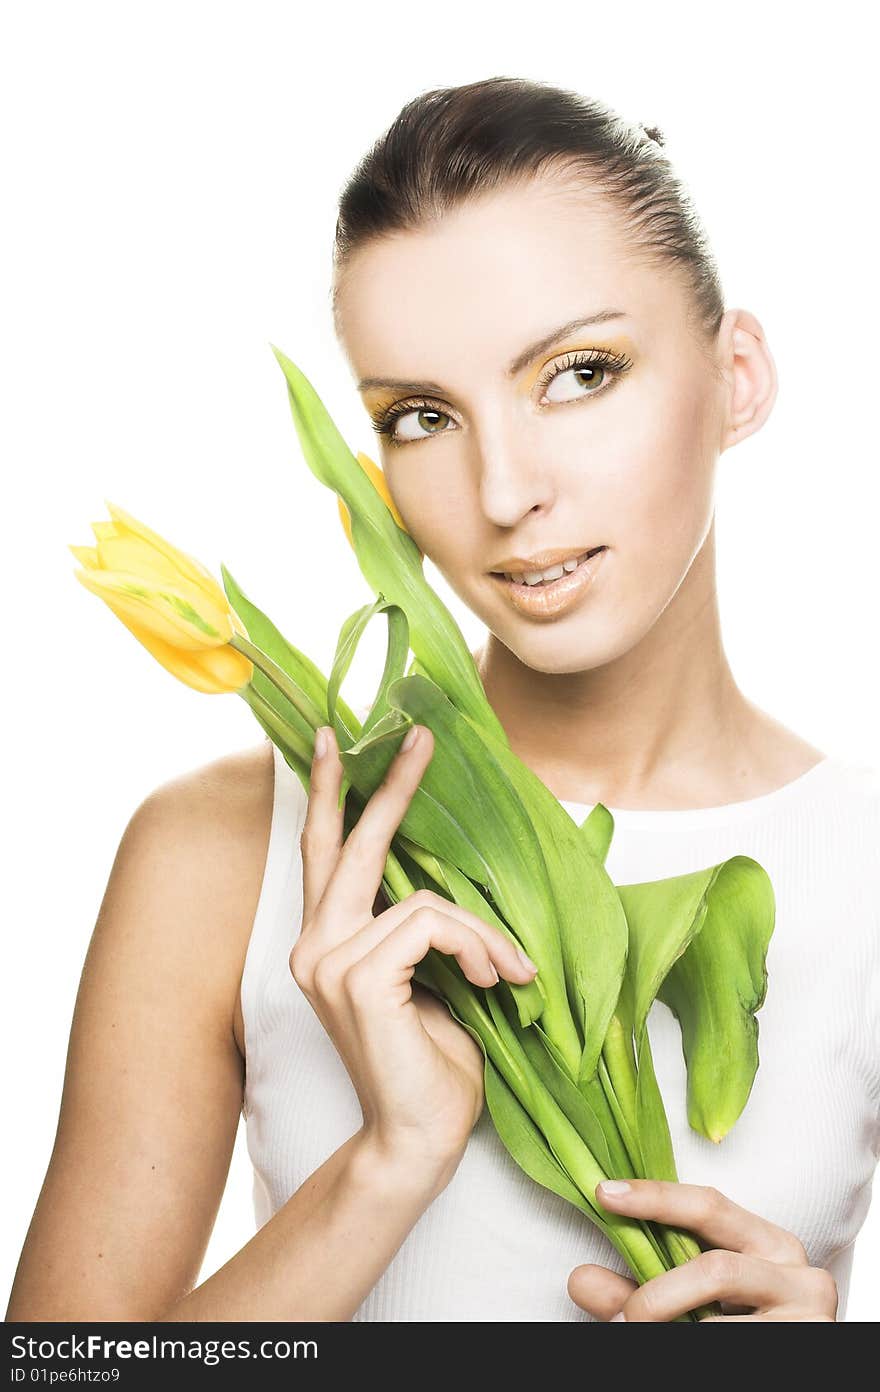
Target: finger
[
  {"x": 708, "y": 1213},
  {"x": 715, "y": 1275},
  {"x": 599, "y": 1291},
  {"x": 349, "y": 894},
  {"x": 393, "y": 960},
  {"x": 504, "y": 955},
  {"x": 322, "y": 832}
]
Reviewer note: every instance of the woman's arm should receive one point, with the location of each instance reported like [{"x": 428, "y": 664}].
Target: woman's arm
[
  {"x": 153, "y": 1092},
  {"x": 322, "y": 1253}
]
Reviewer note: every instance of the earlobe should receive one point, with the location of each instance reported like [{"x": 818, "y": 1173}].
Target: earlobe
[{"x": 751, "y": 373}]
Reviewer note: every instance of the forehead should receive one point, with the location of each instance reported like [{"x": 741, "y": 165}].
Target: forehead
[{"x": 488, "y": 276}]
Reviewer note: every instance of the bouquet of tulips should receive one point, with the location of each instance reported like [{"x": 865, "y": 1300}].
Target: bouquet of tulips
[{"x": 569, "y": 1078}]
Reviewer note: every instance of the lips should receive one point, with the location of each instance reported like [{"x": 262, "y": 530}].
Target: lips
[
  {"x": 530, "y": 573},
  {"x": 548, "y": 598}
]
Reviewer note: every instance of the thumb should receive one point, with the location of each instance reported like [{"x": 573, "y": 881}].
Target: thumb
[{"x": 599, "y": 1291}]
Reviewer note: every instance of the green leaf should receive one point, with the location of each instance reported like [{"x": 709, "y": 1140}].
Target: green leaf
[
  {"x": 525, "y": 1143},
  {"x": 388, "y": 557},
  {"x": 349, "y": 637},
  {"x": 415, "y": 669},
  {"x": 597, "y": 830},
  {"x": 655, "y": 1140},
  {"x": 395, "y": 659},
  {"x": 698, "y": 942},
  {"x": 496, "y": 1035},
  {"x": 464, "y": 810},
  {"x": 662, "y": 916},
  {"x": 288, "y": 740},
  {"x": 521, "y": 1137},
  {"x": 297, "y": 666},
  {"x": 716, "y": 987},
  {"x": 467, "y": 779},
  {"x": 415, "y": 872},
  {"x": 427, "y": 821},
  {"x": 559, "y": 1085},
  {"x": 590, "y": 919}
]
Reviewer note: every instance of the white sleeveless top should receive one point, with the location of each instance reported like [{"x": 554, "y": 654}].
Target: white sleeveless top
[{"x": 495, "y": 1245}]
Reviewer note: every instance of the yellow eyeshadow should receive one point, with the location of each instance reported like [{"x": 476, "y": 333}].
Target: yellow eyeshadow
[
  {"x": 620, "y": 344},
  {"x": 379, "y": 400}
]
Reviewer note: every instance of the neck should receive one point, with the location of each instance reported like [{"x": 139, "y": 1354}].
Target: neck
[{"x": 664, "y": 723}]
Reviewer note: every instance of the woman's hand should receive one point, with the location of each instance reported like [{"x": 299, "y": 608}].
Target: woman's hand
[
  {"x": 755, "y": 1268},
  {"x": 417, "y": 1072}
]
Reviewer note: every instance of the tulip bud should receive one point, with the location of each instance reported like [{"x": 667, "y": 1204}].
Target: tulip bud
[{"x": 168, "y": 600}]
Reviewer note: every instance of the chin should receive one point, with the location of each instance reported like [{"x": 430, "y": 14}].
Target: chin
[{"x": 555, "y": 652}]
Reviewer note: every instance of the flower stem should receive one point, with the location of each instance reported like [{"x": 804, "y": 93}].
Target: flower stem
[
  {"x": 619, "y": 1155},
  {"x": 625, "y": 1128},
  {"x": 396, "y": 878},
  {"x": 279, "y": 678},
  {"x": 276, "y": 725},
  {"x": 619, "y": 1080}
]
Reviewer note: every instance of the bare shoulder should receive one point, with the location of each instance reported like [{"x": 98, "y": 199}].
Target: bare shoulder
[
  {"x": 152, "y": 1090},
  {"x": 210, "y": 827}
]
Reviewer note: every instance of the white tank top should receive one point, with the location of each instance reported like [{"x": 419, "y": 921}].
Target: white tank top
[{"x": 496, "y": 1246}]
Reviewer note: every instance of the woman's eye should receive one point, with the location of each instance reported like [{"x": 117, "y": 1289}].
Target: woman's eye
[
  {"x": 426, "y": 419},
  {"x": 573, "y": 379},
  {"x": 583, "y": 381}
]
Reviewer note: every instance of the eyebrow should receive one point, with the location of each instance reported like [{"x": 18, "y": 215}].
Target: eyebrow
[{"x": 519, "y": 362}]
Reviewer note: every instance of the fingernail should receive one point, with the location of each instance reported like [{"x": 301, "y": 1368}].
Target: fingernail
[
  {"x": 320, "y": 742},
  {"x": 526, "y": 961},
  {"x": 410, "y": 738},
  {"x": 619, "y": 1316},
  {"x": 494, "y": 971},
  {"x": 614, "y": 1186}
]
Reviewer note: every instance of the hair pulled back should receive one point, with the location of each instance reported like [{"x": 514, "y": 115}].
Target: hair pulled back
[{"x": 452, "y": 144}]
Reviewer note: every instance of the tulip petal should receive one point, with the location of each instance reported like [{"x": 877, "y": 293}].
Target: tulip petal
[
  {"x": 87, "y": 556},
  {"x": 237, "y": 624},
  {"x": 377, "y": 478},
  {"x": 214, "y": 671},
  {"x": 379, "y": 482},
  {"x": 345, "y": 519},
  {"x": 165, "y": 610},
  {"x": 188, "y": 567},
  {"x": 132, "y": 554}
]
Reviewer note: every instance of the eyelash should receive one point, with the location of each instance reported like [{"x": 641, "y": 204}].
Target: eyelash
[{"x": 614, "y": 363}]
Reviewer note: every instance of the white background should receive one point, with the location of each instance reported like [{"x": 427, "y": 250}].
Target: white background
[{"x": 169, "y": 175}]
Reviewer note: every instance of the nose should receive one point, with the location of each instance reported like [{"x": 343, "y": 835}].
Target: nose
[{"x": 513, "y": 482}]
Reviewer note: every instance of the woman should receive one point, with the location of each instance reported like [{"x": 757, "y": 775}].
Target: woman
[{"x": 505, "y": 253}]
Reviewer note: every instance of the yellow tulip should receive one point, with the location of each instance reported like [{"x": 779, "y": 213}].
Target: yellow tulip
[
  {"x": 168, "y": 600},
  {"x": 377, "y": 478}
]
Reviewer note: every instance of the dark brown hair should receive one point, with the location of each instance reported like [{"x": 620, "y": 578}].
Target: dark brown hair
[{"x": 451, "y": 144}]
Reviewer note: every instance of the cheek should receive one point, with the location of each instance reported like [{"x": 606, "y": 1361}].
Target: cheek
[
  {"x": 660, "y": 486},
  {"x": 438, "y": 506}
]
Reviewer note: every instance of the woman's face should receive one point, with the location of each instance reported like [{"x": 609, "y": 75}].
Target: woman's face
[{"x": 515, "y": 444}]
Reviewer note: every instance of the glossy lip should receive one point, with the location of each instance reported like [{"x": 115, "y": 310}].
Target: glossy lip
[
  {"x": 548, "y": 601},
  {"x": 517, "y": 565}
]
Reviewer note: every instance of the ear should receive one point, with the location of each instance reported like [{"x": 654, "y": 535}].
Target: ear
[{"x": 750, "y": 373}]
